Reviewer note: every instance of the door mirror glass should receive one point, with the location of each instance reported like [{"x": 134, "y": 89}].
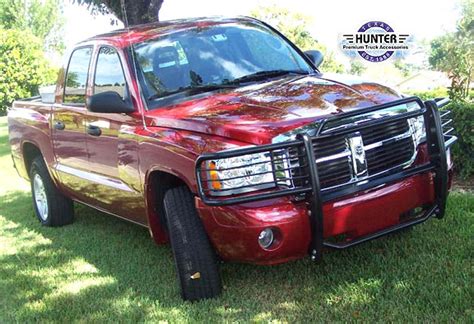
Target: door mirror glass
[
  {"x": 315, "y": 56},
  {"x": 108, "y": 102}
]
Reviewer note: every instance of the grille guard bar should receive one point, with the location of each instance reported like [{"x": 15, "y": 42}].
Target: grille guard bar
[{"x": 438, "y": 142}]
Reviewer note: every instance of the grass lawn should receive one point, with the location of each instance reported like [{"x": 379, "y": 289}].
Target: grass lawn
[{"x": 104, "y": 269}]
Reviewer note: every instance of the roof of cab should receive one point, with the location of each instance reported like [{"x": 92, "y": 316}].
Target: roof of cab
[{"x": 139, "y": 33}]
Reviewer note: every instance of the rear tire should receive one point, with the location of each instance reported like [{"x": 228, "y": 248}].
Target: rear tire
[
  {"x": 51, "y": 207},
  {"x": 195, "y": 259}
]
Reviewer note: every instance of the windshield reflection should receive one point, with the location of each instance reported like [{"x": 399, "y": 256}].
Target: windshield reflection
[{"x": 219, "y": 55}]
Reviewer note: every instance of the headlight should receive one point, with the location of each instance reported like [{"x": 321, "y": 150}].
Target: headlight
[
  {"x": 417, "y": 125},
  {"x": 245, "y": 173}
]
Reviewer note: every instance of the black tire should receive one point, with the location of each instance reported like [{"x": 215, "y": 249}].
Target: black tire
[
  {"x": 195, "y": 258},
  {"x": 60, "y": 209}
]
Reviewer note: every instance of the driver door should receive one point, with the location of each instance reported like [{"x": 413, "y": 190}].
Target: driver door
[{"x": 112, "y": 148}]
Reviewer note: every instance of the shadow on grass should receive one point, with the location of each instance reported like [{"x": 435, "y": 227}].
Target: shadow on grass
[{"x": 101, "y": 268}]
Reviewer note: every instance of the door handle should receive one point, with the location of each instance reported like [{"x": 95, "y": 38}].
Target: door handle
[
  {"x": 59, "y": 125},
  {"x": 93, "y": 130}
]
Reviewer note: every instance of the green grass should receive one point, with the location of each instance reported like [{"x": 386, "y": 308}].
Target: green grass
[{"x": 104, "y": 269}]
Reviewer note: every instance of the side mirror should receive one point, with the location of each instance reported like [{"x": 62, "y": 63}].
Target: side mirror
[
  {"x": 108, "y": 102},
  {"x": 315, "y": 56}
]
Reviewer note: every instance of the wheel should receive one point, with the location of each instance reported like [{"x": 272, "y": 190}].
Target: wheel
[
  {"x": 195, "y": 259},
  {"x": 51, "y": 207}
]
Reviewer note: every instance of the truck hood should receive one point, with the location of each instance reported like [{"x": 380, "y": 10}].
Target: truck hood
[{"x": 255, "y": 114}]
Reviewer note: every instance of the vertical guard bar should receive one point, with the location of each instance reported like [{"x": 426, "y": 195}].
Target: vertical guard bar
[
  {"x": 316, "y": 208},
  {"x": 437, "y": 152}
]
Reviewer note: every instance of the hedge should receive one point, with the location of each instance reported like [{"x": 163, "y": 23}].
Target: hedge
[{"x": 463, "y": 150}]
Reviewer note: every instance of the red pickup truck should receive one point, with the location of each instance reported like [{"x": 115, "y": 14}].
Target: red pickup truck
[{"x": 223, "y": 138}]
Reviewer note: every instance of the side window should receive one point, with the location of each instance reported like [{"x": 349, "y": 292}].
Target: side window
[
  {"x": 76, "y": 77},
  {"x": 109, "y": 73}
]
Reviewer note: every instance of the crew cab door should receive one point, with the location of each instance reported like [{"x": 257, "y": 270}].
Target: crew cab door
[
  {"x": 111, "y": 145},
  {"x": 68, "y": 120}
]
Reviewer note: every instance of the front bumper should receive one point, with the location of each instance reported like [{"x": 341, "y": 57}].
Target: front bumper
[
  {"x": 359, "y": 212},
  {"x": 234, "y": 230}
]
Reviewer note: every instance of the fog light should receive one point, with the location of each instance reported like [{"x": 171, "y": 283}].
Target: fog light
[{"x": 266, "y": 238}]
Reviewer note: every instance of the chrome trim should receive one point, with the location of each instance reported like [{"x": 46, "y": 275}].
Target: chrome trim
[
  {"x": 93, "y": 177},
  {"x": 382, "y": 114},
  {"x": 359, "y": 161},
  {"x": 309, "y": 129},
  {"x": 389, "y": 140},
  {"x": 345, "y": 153},
  {"x": 452, "y": 139},
  {"x": 449, "y": 121},
  {"x": 369, "y": 147}
]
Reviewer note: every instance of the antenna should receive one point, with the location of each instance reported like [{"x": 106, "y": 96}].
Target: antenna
[{"x": 124, "y": 14}]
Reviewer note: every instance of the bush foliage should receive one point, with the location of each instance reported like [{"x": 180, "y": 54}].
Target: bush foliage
[
  {"x": 463, "y": 150},
  {"x": 23, "y": 67},
  {"x": 431, "y": 94},
  {"x": 463, "y": 123}
]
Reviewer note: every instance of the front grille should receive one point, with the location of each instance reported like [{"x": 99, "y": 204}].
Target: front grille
[
  {"x": 389, "y": 155},
  {"x": 382, "y": 132},
  {"x": 386, "y": 147},
  {"x": 334, "y": 171}
]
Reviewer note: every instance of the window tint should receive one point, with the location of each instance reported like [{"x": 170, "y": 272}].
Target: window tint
[
  {"x": 76, "y": 78},
  {"x": 109, "y": 74}
]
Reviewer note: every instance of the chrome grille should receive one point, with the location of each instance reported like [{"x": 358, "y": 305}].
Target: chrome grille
[
  {"x": 386, "y": 147},
  {"x": 390, "y": 155},
  {"x": 332, "y": 157},
  {"x": 382, "y": 132}
]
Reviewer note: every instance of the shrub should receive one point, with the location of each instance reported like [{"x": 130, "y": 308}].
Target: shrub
[
  {"x": 463, "y": 150},
  {"x": 23, "y": 67},
  {"x": 430, "y": 94},
  {"x": 463, "y": 123}
]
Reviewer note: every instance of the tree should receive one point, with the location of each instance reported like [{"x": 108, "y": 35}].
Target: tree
[
  {"x": 43, "y": 18},
  {"x": 23, "y": 67},
  {"x": 405, "y": 69},
  {"x": 454, "y": 53},
  {"x": 137, "y": 12},
  {"x": 295, "y": 25},
  {"x": 357, "y": 67}
]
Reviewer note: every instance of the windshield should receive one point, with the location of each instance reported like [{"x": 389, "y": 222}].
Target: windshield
[{"x": 213, "y": 57}]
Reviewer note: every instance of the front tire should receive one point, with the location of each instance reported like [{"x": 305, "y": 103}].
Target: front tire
[
  {"x": 51, "y": 207},
  {"x": 195, "y": 259}
]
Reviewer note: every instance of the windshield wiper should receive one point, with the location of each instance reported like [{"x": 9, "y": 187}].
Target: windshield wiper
[
  {"x": 192, "y": 90},
  {"x": 262, "y": 75}
]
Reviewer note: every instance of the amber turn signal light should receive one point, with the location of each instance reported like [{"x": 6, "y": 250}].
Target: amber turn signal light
[{"x": 215, "y": 183}]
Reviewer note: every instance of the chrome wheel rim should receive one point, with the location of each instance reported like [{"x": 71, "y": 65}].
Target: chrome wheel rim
[{"x": 40, "y": 197}]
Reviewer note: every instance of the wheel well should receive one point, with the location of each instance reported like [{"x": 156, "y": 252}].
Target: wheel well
[
  {"x": 158, "y": 183},
  {"x": 30, "y": 151}
]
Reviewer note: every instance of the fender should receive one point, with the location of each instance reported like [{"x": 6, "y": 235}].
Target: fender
[{"x": 49, "y": 163}]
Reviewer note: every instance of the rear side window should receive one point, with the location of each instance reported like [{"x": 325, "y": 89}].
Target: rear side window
[
  {"x": 109, "y": 73},
  {"x": 76, "y": 77}
]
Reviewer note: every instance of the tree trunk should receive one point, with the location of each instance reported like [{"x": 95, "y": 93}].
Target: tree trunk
[{"x": 137, "y": 12}]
